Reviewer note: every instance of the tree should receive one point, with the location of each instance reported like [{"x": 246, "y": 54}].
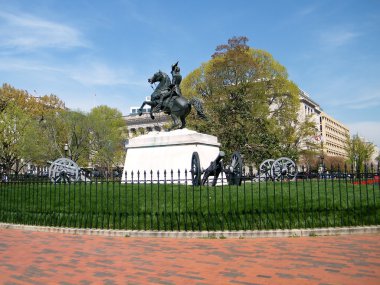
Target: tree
[
  {"x": 36, "y": 129},
  {"x": 21, "y": 136},
  {"x": 25, "y": 123},
  {"x": 334, "y": 163},
  {"x": 358, "y": 151},
  {"x": 251, "y": 104},
  {"x": 15, "y": 127},
  {"x": 71, "y": 128},
  {"x": 107, "y": 137}
]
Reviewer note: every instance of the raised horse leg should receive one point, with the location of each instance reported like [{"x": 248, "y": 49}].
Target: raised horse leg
[
  {"x": 151, "y": 104},
  {"x": 139, "y": 111}
]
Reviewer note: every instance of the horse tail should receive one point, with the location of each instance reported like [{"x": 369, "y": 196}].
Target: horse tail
[{"x": 197, "y": 103}]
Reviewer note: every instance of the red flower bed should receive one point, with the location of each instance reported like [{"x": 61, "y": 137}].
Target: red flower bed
[{"x": 376, "y": 179}]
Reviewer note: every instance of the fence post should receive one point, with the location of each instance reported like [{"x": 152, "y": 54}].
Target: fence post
[
  {"x": 145, "y": 210},
  {"x": 179, "y": 200}
]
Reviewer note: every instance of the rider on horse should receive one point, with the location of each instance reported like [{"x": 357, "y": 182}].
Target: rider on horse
[
  {"x": 174, "y": 89},
  {"x": 167, "y": 97}
]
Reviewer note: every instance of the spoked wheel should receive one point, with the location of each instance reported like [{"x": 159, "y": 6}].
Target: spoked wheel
[
  {"x": 284, "y": 168},
  {"x": 266, "y": 168},
  {"x": 195, "y": 169},
  {"x": 64, "y": 170},
  {"x": 235, "y": 169}
]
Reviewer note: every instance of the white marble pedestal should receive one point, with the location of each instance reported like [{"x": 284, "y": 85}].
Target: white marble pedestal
[{"x": 160, "y": 151}]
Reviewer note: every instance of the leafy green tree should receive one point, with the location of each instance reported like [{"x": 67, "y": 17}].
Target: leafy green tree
[
  {"x": 15, "y": 128},
  {"x": 334, "y": 163},
  {"x": 78, "y": 126},
  {"x": 251, "y": 104},
  {"x": 358, "y": 151},
  {"x": 36, "y": 129},
  {"x": 21, "y": 137},
  {"x": 71, "y": 128},
  {"x": 107, "y": 137},
  {"x": 10, "y": 95}
]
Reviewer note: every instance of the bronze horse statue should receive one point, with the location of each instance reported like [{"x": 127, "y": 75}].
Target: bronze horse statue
[{"x": 165, "y": 98}]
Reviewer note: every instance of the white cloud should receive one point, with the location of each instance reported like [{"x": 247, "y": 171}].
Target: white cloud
[
  {"x": 86, "y": 72},
  {"x": 360, "y": 102},
  {"x": 24, "y": 31},
  {"x": 369, "y": 130},
  {"x": 21, "y": 65},
  {"x": 337, "y": 37},
  {"x": 307, "y": 11},
  {"x": 95, "y": 73}
]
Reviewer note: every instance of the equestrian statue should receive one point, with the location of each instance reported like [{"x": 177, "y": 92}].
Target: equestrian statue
[{"x": 167, "y": 98}]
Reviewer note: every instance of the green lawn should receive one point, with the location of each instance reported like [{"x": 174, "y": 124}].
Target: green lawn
[{"x": 109, "y": 205}]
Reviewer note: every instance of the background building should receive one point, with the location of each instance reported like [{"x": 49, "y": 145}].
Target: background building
[
  {"x": 333, "y": 136},
  {"x": 138, "y": 125},
  {"x": 309, "y": 108}
]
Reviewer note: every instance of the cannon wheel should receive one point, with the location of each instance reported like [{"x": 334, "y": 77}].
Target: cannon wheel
[
  {"x": 195, "y": 169},
  {"x": 266, "y": 168},
  {"x": 235, "y": 171},
  {"x": 284, "y": 168},
  {"x": 63, "y": 170}
]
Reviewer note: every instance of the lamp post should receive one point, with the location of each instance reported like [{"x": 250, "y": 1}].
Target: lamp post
[
  {"x": 66, "y": 148},
  {"x": 322, "y": 164},
  {"x": 356, "y": 165}
]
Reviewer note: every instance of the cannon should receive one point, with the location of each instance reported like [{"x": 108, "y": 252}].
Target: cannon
[
  {"x": 282, "y": 168},
  {"x": 64, "y": 170},
  {"x": 233, "y": 171}
]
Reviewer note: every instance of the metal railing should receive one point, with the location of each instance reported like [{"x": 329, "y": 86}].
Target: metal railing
[{"x": 347, "y": 199}]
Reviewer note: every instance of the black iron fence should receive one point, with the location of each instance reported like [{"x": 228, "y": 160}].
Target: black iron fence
[{"x": 143, "y": 203}]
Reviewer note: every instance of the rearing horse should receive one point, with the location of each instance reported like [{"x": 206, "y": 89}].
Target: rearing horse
[{"x": 175, "y": 105}]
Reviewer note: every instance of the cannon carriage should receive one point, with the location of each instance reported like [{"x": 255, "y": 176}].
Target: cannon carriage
[
  {"x": 279, "y": 169},
  {"x": 282, "y": 168},
  {"x": 64, "y": 170},
  {"x": 233, "y": 171}
]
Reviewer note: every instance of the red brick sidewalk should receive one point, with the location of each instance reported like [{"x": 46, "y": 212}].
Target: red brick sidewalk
[{"x": 28, "y": 257}]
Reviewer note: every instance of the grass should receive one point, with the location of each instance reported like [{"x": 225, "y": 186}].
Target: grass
[{"x": 252, "y": 206}]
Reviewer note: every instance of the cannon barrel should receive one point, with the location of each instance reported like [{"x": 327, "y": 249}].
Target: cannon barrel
[{"x": 220, "y": 156}]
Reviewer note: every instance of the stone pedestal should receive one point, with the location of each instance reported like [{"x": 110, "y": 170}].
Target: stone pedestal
[{"x": 160, "y": 151}]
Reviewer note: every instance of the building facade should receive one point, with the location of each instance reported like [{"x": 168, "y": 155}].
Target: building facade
[
  {"x": 333, "y": 136},
  {"x": 138, "y": 125},
  {"x": 309, "y": 108}
]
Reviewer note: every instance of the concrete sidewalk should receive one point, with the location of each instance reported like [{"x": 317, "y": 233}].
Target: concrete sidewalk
[{"x": 30, "y": 257}]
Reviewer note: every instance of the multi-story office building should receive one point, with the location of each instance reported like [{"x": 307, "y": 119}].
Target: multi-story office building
[
  {"x": 330, "y": 133},
  {"x": 333, "y": 135},
  {"x": 309, "y": 109}
]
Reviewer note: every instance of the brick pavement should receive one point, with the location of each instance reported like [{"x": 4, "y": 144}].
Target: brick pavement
[{"x": 28, "y": 257}]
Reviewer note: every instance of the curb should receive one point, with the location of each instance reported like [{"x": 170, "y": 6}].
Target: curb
[{"x": 200, "y": 234}]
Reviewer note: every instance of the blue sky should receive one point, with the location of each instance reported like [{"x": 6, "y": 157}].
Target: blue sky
[{"x": 92, "y": 52}]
